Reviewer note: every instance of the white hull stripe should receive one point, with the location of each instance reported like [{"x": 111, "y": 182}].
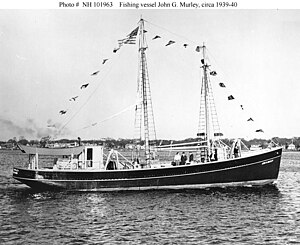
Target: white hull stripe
[
  {"x": 196, "y": 186},
  {"x": 177, "y": 187}
]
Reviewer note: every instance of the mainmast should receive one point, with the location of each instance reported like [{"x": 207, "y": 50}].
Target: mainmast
[
  {"x": 206, "y": 95},
  {"x": 208, "y": 121},
  {"x": 144, "y": 112}
]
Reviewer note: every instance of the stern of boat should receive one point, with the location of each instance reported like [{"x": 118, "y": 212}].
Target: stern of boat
[{"x": 33, "y": 179}]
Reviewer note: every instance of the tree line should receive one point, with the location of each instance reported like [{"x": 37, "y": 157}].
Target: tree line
[{"x": 122, "y": 143}]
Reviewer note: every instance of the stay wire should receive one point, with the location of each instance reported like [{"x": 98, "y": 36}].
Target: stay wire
[
  {"x": 237, "y": 102},
  {"x": 173, "y": 33},
  {"x": 90, "y": 96}
]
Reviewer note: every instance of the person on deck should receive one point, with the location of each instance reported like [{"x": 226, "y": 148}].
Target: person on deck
[
  {"x": 216, "y": 155},
  {"x": 236, "y": 151},
  {"x": 112, "y": 165},
  {"x": 191, "y": 158},
  {"x": 183, "y": 159},
  {"x": 177, "y": 159}
]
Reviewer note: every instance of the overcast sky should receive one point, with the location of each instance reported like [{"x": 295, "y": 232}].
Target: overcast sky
[{"x": 46, "y": 55}]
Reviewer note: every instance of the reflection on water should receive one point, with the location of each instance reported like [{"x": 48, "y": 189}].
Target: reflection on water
[{"x": 267, "y": 215}]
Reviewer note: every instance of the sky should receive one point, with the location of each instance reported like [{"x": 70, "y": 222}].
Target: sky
[{"x": 47, "y": 54}]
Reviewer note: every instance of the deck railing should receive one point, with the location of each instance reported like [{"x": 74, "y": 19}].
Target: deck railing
[{"x": 76, "y": 164}]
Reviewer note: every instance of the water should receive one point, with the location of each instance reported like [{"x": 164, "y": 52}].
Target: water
[{"x": 268, "y": 215}]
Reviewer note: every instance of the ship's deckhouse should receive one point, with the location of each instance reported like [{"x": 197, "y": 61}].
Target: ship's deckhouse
[{"x": 92, "y": 156}]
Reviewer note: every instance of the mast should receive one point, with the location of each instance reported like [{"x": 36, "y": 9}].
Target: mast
[
  {"x": 144, "y": 112},
  {"x": 209, "y": 127},
  {"x": 142, "y": 49},
  {"x": 204, "y": 122},
  {"x": 206, "y": 96}
]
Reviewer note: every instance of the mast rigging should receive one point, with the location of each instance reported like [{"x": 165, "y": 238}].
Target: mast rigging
[{"x": 144, "y": 118}]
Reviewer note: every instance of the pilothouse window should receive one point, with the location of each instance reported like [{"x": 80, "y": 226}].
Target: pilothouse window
[{"x": 89, "y": 157}]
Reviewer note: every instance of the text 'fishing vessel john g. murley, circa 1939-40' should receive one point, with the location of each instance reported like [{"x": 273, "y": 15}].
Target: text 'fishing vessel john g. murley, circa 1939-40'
[{"x": 211, "y": 163}]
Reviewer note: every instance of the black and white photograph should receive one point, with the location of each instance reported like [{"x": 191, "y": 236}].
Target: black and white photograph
[{"x": 149, "y": 122}]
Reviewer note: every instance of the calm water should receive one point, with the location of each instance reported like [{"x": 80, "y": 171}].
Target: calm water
[{"x": 268, "y": 215}]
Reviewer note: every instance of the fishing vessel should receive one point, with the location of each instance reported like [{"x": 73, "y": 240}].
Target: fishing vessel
[{"x": 209, "y": 161}]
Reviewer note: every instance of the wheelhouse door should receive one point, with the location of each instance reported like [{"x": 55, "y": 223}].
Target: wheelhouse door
[{"x": 89, "y": 157}]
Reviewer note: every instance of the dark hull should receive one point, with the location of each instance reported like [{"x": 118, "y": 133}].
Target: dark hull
[{"x": 253, "y": 170}]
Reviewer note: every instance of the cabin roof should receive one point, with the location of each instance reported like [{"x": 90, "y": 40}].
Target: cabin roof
[{"x": 51, "y": 151}]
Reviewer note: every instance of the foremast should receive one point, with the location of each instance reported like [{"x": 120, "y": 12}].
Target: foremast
[{"x": 144, "y": 118}]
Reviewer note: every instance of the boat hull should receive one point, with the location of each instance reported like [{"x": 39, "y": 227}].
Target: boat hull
[{"x": 261, "y": 169}]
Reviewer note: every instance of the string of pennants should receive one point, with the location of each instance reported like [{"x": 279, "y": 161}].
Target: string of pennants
[
  {"x": 231, "y": 97},
  {"x": 212, "y": 72},
  {"x": 82, "y": 87},
  {"x": 131, "y": 39}
]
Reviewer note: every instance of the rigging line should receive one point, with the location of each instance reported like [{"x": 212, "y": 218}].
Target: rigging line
[
  {"x": 110, "y": 117},
  {"x": 183, "y": 37},
  {"x": 215, "y": 60},
  {"x": 181, "y": 144},
  {"x": 88, "y": 99},
  {"x": 222, "y": 70},
  {"x": 70, "y": 107},
  {"x": 238, "y": 102},
  {"x": 137, "y": 118}
]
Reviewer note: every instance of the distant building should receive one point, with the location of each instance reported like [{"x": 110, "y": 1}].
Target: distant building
[
  {"x": 61, "y": 145},
  {"x": 8, "y": 146},
  {"x": 129, "y": 146},
  {"x": 291, "y": 147},
  {"x": 255, "y": 147}
]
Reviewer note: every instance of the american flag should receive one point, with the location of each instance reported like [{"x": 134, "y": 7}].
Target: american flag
[{"x": 130, "y": 38}]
